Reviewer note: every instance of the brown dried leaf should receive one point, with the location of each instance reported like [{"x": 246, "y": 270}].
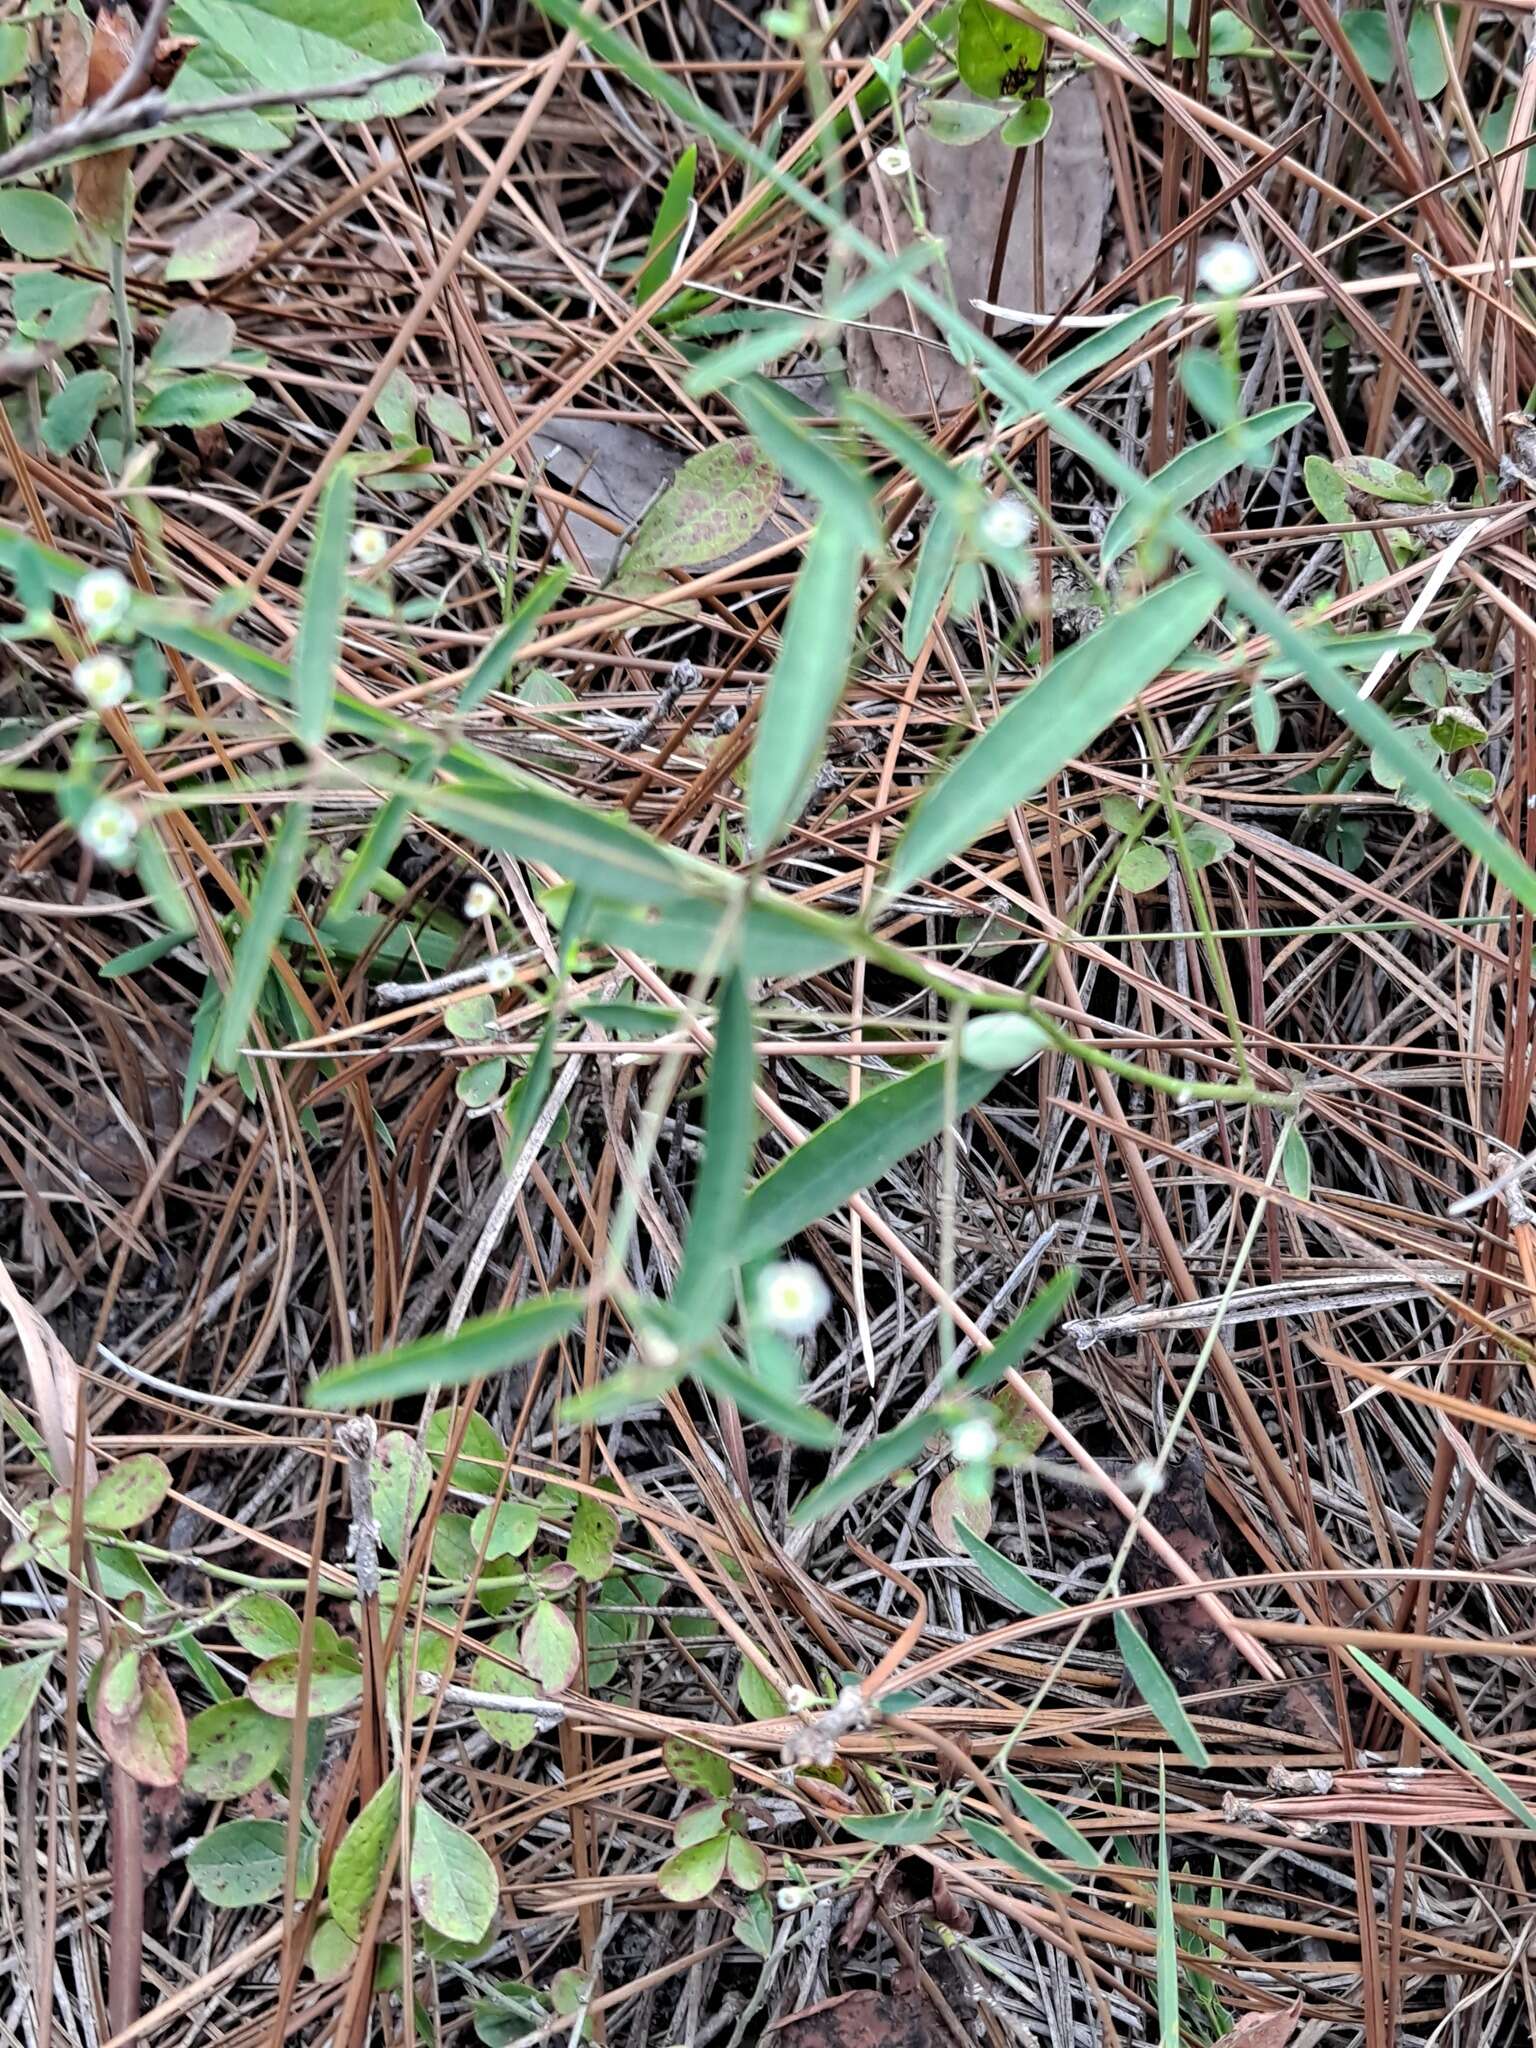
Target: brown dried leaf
[
  {"x": 101, "y": 182},
  {"x": 1263, "y": 2029},
  {"x": 862, "y": 2019},
  {"x": 148, "y": 1739},
  {"x": 55, "y": 1382}
]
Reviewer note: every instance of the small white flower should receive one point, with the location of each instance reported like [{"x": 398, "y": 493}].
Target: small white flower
[
  {"x": 657, "y": 1349},
  {"x": 102, "y": 681},
  {"x": 109, "y": 830},
  {"x": 370, "y": 544},
  {"x": 500, "y": 972},
  {"x": 792, "y": 1297},
  {"x": 1227, "y": 269},
  {"x": 479, "y": 900},
  {"x": 895, "y": 161},
  {"x": 972, "y": 1442},
  {"x": 1008, "y": 523},
  {"x": 1144, "y": 1478},
  {"x": 800, "y": 1699},
  {"x": 102, "y": 600},
  {"x": 791, "y": 1897}
]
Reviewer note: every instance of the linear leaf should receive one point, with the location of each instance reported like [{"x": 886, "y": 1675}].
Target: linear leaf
[
  {"x": 1158, "y": 1690},
  {"x": 253, "y": 948},
  {"x": 1053, "y": 1826},
  {"x": 899, "y": 1447},
  {"x": 1087, "y": 356},
  {"x": 808, "y": 678},
  {"x": 1023, "y": 1333},
  {"x": 1077, "y": 697},
  {"x": 1010, "y": 1581},
  {"x": 714, "y": 1223},
  {"x": 785, "y": 1414},
  {"x": 1198, "y": 469},
  {"x": 318, "y": 645},
  {"x": 1169, "y": 2033},
  {"x": 996, "y": 1841},
  {"x": 490, "y": 671},
  {"x": 899, "y": 1830},
  {"x": 597, "y": 850},
  {"x": 480, "y": 1348},
  {"x": 1440, "y": 1732},
  {"x": 662, "y": 250}
]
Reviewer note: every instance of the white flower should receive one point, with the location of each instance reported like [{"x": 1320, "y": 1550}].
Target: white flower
[
  {"x": 1008, "y": 523},
  {"x": 895, "y": 161},
  {"x": 800, "y": 1699},
  {"x": 792, "y": 1297},
  {"x": 657, "y": 1349},
  {"x": 102, "y": 600},
  {"x": 370, "y": 544},
  {"x": 1227, "y": 269},
  {"x": 791, "y": 1897},
  {"x": 500, "y": 972},
  {"x": 102, "y": 681},
  {"x": 109, "y": 830},
  {"x": 972, "y": 1442},
  {"x": 1144, "y": 1478},
  {"x": 479, "y": 900}
]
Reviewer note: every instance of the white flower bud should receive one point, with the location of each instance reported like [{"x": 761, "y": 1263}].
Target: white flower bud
[
  {"x": 102, "y": 600},
  {"x": 895, "y": 161},
  {"x": 1008, "y": 523},
  {"x": 109, "y": 830},
  {"x": 370, "y": 544},
  {"x": 500, "y": 972},
  {"x": 792, "y": 1297},
  {"x": 102, "y": 680},
  {"x": 1227, "y": 269},
  {"x": 479, "y": 900},
  {"x": 791, "y": 1897},
  {"x": 972, "y": 1442},
  {"x": 657, "y": 1349}
]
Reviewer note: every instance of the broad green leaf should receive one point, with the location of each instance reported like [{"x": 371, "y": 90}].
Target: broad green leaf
[
  {"x": 662, "y": 250},
  {"x": 401, "y": 1483},
  {"x": 1196, "y": 470},
  {"x": 693, "y": 1872},
  {"x": 297, "y": 46},
  {"x": 147, "y": 1735},
  {"x": 48, "y": 306},
  {"x": 1371, "y": 40},
  {"x": 1374, "y": 478},
  {"x": 696, "y": 1769},
  {"x": 481, "y": 1454},
  {"x": 395, "y": 407},
  {"x": 128, "y": 1494},
  {"x": 361, "y": 1856},
  {"x": 489, "y": 1345},
  {"x": 897, "y": 1830},
  {"x": 778, "y": 1408},
  {"x": 1296, "y": 1165},
  {"x": 1212, "y": 385},
  {"x": 332, "y": 1953},
  {"x": 1143, "y": 867},
  {"x": 448, "y": 415},
  {"x": 719, "y": 1196},
  {"x": 20, "y": 1685},
  {"x": 808, "y": 679},
  {"x": 244, "y": 1862},
  {"x": 511, "y": 1534},
  {"x": 255, "y": 945},
  {"x": 959, "y": 123},
  {"x": 194, "y": 337},
  {"x": 760, "y": 1700},
  {"x": 318, "y": 645},
  {"x": 14, "y": 42},
  {"x": 898, "y": 1448},
  {"x": 201, "y": 401},
  {"x": 717, "y": 501},
  {"x": 1002, "y": 1041},
  {"x": 335, "y": 1681},
  {"x": 264, "y": 1625},
  {"x": 214, "y": 245},
  {"x": 36, "y": 224},
  {"x": 453, "y": 1881},
  {"x": 549, "y": 1648},
  {"x": 1265, "y": 714},
  {"x": 745, "y": 1864},
  {"x": 851, "y": 1151},
  {"x": 511, "y": 1729},
  {"x": 482, "y": 1084},
  {"x": 1008, "y": 1580},
  {"x": 1075, "y": 700},
  {"x": 594, "y": 1532},
  {"x": 997, "y": 1842},
  {"x": 1158, "y": 1690},
  {"x": 1052, "y": 1825},
  {"x": 996, "y": 53},
  {"x": 1031, "y": 124},
  {"x": 1440, "y": 1732},
  {"x": 232, "y": 1748},
  {"x": 753, "y": 1927},
  {"x": 71, "y": 412}
]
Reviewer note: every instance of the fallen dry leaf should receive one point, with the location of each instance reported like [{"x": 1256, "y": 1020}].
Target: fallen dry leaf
[
  {"x": 55, "y": 1381},
  {"x": 1263, "y": 2029},
  {"x": 862, "y": 2019}
]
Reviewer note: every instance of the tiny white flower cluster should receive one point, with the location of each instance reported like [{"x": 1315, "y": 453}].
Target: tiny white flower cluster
[
  {"x": 792, "y": 1297},
  {"x": 1227, "y": 269},
  {"x": 1008, "y": 523},
  {"x": 479, "y": 900},
  {"x": 973, "y": 1441},
  {"x": 102, "y": 599},
  {"x": 109, "y": 830},
  {"x": 102, "y": 680},
  {"x": 370, "y": 544},
  {"x": 895, "y": 161}
]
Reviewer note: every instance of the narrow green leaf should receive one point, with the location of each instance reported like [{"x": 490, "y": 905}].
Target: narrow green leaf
[
  {"x": 1196, "y": 470},
  {"x": 1022, "y": 1334},
  {"x": 1158, "y": 1690},
  {"x": 720, "y": 1194},
  {"x": 1006, "y": 1579},
  {"x": 493, "y": 667},
  {"x": 897, "y": 1830},
  {"x": 1445, "y": 1736},
  {"x": 898, "y": 1448},
  {"x": 318, "y": 644},
  {"x": 852, "y": 1150},
  {"x": 776, "y": 336},
  {"x": 594, "y": 849},
  {"x": 1101, "y": 347},
  {"x": 759, "y": 1401},
  {"x": 936, "y": 560},
  {"x": 1265, "y": 713},
  {"x": 1075, "y": 700},
  {"x": 776, "y": 939},
  {"x": 671, "y": 216},
  {"x": 1051, "y": 1824},
  {"x": 812, "y": 459},
  {"x": 996, "y": 1841},
  {"x": 254, "y": 947},
  {"x": 489, "y": 1345},
  {"x": 807, "y": 681},
  {"x": 20, "y": 1685},
  {"x": 1169, "y": 2034}
]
